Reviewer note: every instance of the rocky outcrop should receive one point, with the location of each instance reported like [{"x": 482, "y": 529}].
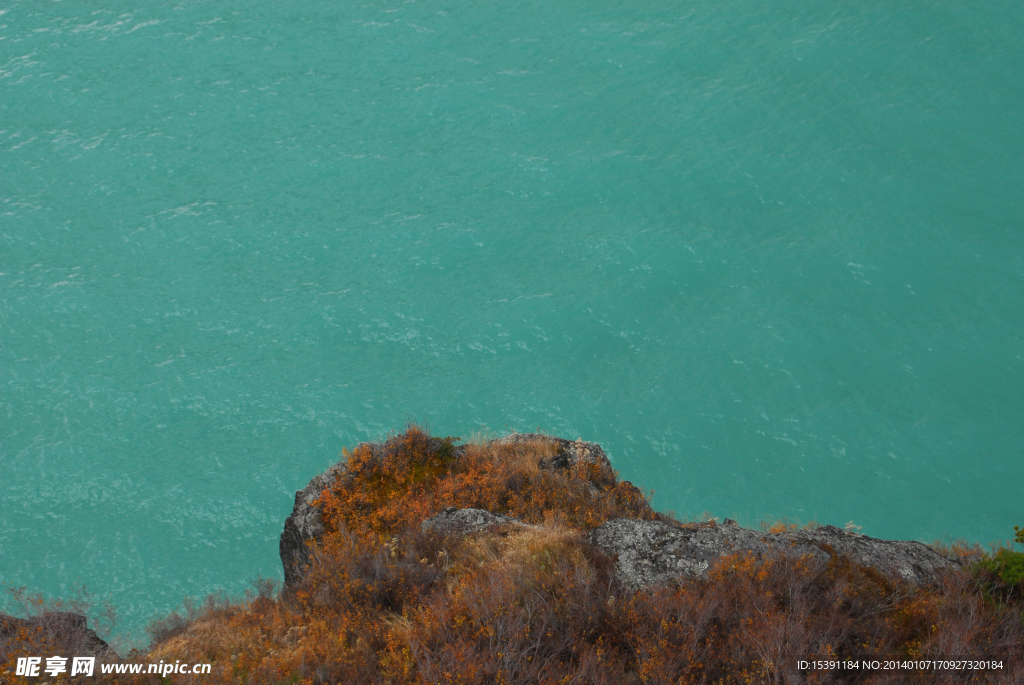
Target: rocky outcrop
[
  {"x": 654, "y": 552},
  {"x": 647, "y": 552},
  {"x": 458, "y": 522},
  {"x": 58, "y": 629},
  {"x": 304, "y": 523}
]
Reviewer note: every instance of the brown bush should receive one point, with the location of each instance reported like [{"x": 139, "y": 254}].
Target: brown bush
[{"x": 414, "y": 476}]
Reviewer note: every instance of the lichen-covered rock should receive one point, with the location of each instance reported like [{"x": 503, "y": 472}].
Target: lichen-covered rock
[
  {"x": 654, "y": 552},
  {"x": 457, "y": 522}
]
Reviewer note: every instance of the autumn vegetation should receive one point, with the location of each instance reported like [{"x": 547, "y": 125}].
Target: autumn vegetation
[{"x": 384, "y": 602}]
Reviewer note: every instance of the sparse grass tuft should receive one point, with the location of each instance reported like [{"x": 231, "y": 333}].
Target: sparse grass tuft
[{"x": 959, "y": 550}]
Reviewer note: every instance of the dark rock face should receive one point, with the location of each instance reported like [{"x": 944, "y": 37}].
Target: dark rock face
[
  {"x": 67, "y": 630},
  {"x": 653, "y": 552},
  {"x": 457, "y": 522},
  {"x": 304, "y": 523}
]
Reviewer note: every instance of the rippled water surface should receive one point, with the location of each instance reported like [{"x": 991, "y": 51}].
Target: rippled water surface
[{"x": 768, "y": 254}]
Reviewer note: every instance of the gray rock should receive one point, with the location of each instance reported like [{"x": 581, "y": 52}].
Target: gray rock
[
  {"x": 458, "y": 522},
  {"x": 654, "y": 552}
]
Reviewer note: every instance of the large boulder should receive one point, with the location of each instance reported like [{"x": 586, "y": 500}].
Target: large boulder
[{"x": 655, "y": 552}]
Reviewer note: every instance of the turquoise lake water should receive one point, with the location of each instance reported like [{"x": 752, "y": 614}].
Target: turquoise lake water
[{"x": 770, "y": 255}]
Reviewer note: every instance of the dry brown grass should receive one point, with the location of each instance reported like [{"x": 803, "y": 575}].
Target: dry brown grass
[{"x": 520, "y": 458}]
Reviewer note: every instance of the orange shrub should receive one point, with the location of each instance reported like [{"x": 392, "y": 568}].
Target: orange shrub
[{"x": 413, "y": 476}]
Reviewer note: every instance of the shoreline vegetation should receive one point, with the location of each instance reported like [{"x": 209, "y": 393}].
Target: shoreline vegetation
[{"x": 420, "y": 560}]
